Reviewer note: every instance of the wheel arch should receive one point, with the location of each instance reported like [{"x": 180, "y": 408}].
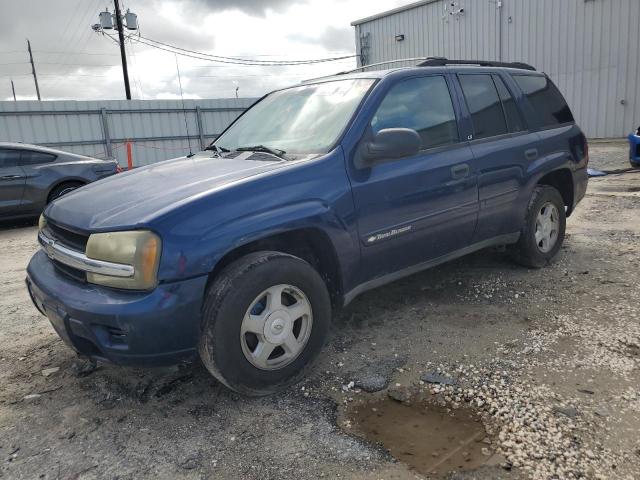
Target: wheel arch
[
  {"x": 311, "y": 244},
  {"x": 59, "y": 182},
  {"x": 562, "y": 180}
]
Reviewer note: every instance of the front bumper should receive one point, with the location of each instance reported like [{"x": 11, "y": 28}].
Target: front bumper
[{"x": 127, "y": 328}]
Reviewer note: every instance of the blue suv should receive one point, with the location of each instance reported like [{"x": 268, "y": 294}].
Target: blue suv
[{"x": 242, "y": 253}]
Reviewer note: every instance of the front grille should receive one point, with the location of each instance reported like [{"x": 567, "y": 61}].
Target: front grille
[
  {"x": 74, "y": 273},
  {"x": 66, "y": 237},
  {"x": 70, "y": 239}
]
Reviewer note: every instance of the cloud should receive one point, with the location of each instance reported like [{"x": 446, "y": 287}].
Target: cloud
[
  {"x": 332, "y": 38},
  {"x": 73, "y": 62},
  {"x": 257, "y": 8}
]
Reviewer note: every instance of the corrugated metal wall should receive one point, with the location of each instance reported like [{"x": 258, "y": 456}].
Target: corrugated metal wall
[
  {"x": 590, "y": 48},
  {"x": 156, "y": 127}
]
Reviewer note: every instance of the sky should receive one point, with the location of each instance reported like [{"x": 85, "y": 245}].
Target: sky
[{"x": 75, "y": 63}]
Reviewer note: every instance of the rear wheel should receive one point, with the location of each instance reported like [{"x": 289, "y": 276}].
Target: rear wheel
[
  {"x": 62, "y": 190},
  {"x": 543, "y": 233},
  {"x": 265, "y": 319}
]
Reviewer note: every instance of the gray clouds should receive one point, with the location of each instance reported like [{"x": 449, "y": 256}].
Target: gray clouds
[
  {"x": 333, "y": 39},
  {"x": 251, "y": 7}
]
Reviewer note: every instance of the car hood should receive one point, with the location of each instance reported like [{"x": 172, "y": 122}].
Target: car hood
[{"x": 135, "y": 198}]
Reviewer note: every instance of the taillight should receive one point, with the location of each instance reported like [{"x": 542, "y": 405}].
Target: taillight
[{"x": 586, "y": 152}]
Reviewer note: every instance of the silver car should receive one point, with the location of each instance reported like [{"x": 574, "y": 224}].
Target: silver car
[{"x": 32, "y": 176}]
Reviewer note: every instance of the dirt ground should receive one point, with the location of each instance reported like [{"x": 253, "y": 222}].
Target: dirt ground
[{"x": 548, "y": 360}]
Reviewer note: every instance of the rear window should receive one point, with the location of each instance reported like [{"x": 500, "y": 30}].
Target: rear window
[
  {"x": 9, "y": 158},
  {"x": 514, "y": 120},
  {"x": 545, "y": 97},
  {"x": 484, "y": 105}
]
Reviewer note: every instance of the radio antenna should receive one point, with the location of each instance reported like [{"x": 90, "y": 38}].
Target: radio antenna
[{"x": 184, "y": 109}]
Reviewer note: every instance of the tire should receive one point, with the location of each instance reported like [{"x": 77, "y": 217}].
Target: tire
[
  {"x": 63, "y": 189},
  {"x": 241, "y": 290},
  {"x": 529, "y": 252}
]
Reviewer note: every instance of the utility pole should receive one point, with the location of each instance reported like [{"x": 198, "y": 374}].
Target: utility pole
[
  {"x": 13, "y": 89},
  {"x": 125, "y": 71},
  {"x": 33, "y": 69}
]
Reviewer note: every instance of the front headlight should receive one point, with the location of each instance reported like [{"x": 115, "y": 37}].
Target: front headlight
[
  {"x": 42, "y": 222},
  {"x": 140, "y": 249}
]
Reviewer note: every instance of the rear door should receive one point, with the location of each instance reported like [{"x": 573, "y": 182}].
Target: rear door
[
  {"x": 503, "y": 147},
  {"x": 418, "y": 208},
  {"x": 12, "y": 182},
  {"x": 39, "y": 178}
]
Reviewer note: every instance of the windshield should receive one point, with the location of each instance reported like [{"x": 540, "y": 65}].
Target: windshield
[{"x": 299, "y": 120}]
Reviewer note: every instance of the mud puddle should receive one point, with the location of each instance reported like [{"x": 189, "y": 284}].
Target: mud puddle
[{"x": 424, "y": 436}]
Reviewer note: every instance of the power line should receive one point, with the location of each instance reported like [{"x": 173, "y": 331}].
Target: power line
[
  {"x": 253, "y": 63},
  {"x": 239, "y": 59}
]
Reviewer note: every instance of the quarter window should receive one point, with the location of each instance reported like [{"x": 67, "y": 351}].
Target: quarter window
[
  {"x": 546, "y": 99},
  {"x": 35, "y": 158},
  {"x": 484, "y": 105},
  {"x": 422, "y": 104}
]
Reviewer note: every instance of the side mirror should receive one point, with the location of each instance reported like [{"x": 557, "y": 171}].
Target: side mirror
[{"x": 390, "y": 144}]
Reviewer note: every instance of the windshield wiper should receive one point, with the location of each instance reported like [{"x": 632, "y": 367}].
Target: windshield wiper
[
  {"x": 261, "y": 148},
  {"x": 217, "y": 149}
]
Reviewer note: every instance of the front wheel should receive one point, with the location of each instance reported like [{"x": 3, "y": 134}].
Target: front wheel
[
  {"x": 265, "y": 319},
  {"x": 543, "y": 232}
]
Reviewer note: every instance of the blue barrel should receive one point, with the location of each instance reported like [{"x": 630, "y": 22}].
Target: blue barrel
[{"x": 634, "y": 154}]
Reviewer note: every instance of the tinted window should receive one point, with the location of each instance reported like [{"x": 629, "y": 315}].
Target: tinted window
[
  {"x": 514, "y": 120},
  {"x": 484, "y": 105},
  {"x": 9, "y": 158},
  {"x": 545, "y": 98},
  {"x": 423, "y": 104},
  {"x": 35, "y": 158}
]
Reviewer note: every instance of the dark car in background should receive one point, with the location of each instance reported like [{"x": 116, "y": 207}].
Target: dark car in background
[{"x": 32, "y": 176}]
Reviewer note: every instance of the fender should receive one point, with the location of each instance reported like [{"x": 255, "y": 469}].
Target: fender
[
  {"x": 317, "y": 197},
  {"x": 540, "y": 168},
  {"x": 304, "y": 215}
]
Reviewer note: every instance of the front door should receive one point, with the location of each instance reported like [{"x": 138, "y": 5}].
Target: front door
[
  {"x": 419, "y": 208},
  {"x": 12, "y": 182}
]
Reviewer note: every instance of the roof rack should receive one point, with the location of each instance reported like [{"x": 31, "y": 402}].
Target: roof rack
[
  {"x": 443, "y": 62},
  {"x": 434, "y": 62}
]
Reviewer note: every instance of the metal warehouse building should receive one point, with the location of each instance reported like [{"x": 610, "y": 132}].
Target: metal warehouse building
[{"x": 590, "y": 48}]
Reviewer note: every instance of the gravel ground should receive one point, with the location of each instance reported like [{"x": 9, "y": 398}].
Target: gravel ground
[{"x": 548, "y": 359}]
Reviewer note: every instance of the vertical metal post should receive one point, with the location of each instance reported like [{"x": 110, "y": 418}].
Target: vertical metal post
[
  {"x": 13, "y": 89},
  {"x": 33, "y": 69},
  {"x": 129, "y": 155},
  {"x": 200, "y": 129},
  {"x": 500, "y": 27},
  {"x": 105, "y": 132}
]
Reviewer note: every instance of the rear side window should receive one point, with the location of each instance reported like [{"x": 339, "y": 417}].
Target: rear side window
[
  {"x": 545, "y": 97},
  {"x": 484, "y": 105},
  {"x": 9, "y": 158},
  {"x": 514, "y": 119},
  {"x": 423, "y": 104},
  {"x": 36, "y": 158}
]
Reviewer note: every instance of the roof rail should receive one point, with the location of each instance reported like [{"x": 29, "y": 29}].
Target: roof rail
[
  {"x": 434, "y": 62},
  {"x": 442, "y": 62},
  {"x": 415, "y": 59}
]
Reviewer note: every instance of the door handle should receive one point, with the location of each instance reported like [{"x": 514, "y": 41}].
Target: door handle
[
  {"x": 459, "y": 171},
  {"x": 531, "y": 154},
  {"x": 11, "y": 177}
]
